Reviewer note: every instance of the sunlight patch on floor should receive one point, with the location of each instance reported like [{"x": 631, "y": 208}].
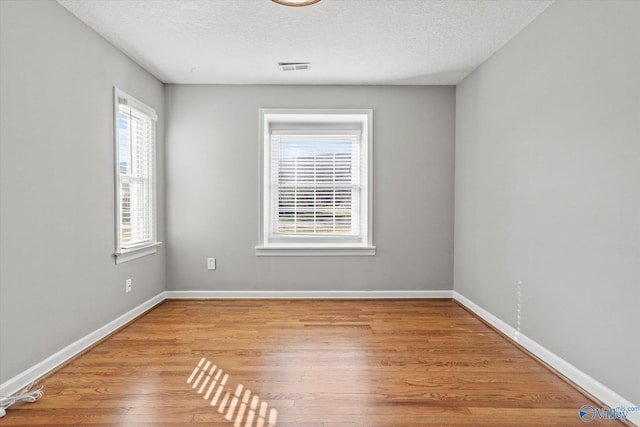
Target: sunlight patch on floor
[{"x": 207, "y": 373}]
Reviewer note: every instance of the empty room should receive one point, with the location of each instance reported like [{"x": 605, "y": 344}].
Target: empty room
[{"x": 320, "y": 212}]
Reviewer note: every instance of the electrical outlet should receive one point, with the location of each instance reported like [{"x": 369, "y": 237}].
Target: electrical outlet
[
  {"x": 211, "y": 263},
  {"x": 127, "y": 286}
]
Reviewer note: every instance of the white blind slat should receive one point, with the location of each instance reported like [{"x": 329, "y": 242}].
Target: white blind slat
[
  {"x": 136, "y": 139},
  {"x": 315, "y": 184}
]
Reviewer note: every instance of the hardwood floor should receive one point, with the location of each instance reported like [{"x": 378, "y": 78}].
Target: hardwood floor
[{"x": 305, "y": 363}]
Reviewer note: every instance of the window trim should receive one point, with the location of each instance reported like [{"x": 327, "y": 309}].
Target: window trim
[
  {"x": 124, "y": 254},
  {"x": 324, "y": 122}
]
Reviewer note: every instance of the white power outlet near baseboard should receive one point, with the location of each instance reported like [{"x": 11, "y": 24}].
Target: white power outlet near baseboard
[
  {"x": 127, "y": 286},
  {"x": 211, "y": 263}
]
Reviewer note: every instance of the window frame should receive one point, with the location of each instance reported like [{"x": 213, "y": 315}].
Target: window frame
[
  {"x": 309, "y": 122},
  {"x": 123, "y": 252}
]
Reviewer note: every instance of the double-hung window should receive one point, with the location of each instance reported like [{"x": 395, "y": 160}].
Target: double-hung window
[
  {"x": 135, "y": 126},
  {"x": 316, "y": 183}
]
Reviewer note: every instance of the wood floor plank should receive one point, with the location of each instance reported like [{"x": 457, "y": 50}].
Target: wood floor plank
[{"x": 315, "y": 363}]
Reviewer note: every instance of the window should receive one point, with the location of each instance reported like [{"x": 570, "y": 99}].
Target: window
[
  {"x": 316, "y": 183},
  {"x": 135, "y": 178}
]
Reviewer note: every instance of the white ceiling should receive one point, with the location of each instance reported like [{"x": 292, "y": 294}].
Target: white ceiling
[{"x": 424, "y": 42}]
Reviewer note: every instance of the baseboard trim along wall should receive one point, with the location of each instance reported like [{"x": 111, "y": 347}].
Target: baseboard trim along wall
[
  {"x": 307, "y": 294},
  {"x": 57, "y": 359},
  {"x": 587, "y": 383},
  {"x": 581, "y": 379}
]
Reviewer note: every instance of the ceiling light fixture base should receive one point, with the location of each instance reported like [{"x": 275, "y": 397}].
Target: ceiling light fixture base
[{"x": 296, "y": 3}]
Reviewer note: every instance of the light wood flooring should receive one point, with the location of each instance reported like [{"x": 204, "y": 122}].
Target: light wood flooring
[{"x": 305, "y": 363}]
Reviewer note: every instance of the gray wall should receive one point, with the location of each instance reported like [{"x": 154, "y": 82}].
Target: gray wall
[
  {"x": 547, "y": 173},
  {"x": 58, "y": 279},
  {"x": 546, "y": 186},
  {"x": 213, "y": 185}
]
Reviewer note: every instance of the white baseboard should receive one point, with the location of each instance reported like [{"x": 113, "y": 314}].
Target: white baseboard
[
  {"x": 42, "y": 368},
  {"x": 50, "y": 363},
  {"x": 581, "y": 379},
  {"x": 595, "y": 388},
  {"x": 307, "y": 294}
]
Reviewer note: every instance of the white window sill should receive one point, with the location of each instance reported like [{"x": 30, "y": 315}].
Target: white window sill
[
  {"x": 131, "y": 254},
  {"x": 282, "y": 250}
]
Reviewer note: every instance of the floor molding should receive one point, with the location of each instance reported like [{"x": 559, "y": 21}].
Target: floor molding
[
  {"x": 57, "y": 359},
  {"x": 307, "y": 294},
  {"x": 581, "y": 379},
  {"x": 578, "y": 377}
]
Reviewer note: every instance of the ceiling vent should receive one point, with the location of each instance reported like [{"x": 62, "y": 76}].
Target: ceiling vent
[{"x": 294, "y": 66}]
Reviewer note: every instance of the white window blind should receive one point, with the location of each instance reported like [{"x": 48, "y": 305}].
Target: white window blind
[
  {"x": 135, "y": 173},
  {"x": 315, "y": 184}
]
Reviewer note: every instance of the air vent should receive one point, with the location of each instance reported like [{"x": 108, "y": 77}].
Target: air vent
[{"x": 294, "y": 66}]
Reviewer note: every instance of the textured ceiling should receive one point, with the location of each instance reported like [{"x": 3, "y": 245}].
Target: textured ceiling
[{"x": 431, "y": 42}]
